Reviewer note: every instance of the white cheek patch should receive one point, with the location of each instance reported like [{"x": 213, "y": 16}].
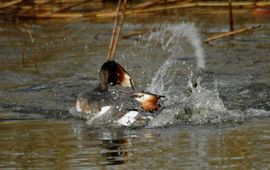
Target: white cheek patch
[
  {"x": 126, "y": 81},
  {"x": 147, "y": 97},
  {"x": 128, "y": 119},
  {"x": 144, "y": 98}
]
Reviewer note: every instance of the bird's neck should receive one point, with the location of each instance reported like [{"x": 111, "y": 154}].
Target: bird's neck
[{"x": 101, "y": 88}]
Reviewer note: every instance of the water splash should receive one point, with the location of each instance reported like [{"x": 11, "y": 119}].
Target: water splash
[
  {"x": 187, "y": 100},
  {"x": 171, "y": 39},
  {"x": 179, "y": 78}
]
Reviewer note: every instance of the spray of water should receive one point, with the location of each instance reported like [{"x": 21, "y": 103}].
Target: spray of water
[
  {"x": 187, "y": 101},
  {"x": 171, "y": 38},
  {"x": 179, "y": 79}
]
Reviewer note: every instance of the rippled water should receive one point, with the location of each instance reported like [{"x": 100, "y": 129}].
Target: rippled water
[
  {"x": 48, "y": 144},
  {"x": 230, "y": 100}
]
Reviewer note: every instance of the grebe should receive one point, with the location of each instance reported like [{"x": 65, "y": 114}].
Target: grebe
[
  {"x": 99, "y": 105},
  {"x": 111, "y": 73}
]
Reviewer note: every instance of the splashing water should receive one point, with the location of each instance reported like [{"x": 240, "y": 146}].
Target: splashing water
[
  {"x": 170, "y": 79},
  {"x": 187, "y": 101},
  {"x": 179, "y": 79},
  {"x": 172, "y": 45}
]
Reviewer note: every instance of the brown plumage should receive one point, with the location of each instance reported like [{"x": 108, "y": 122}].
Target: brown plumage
[
  {"x": 149, "y": 102},
  {"x": 113, "y": 73},
  {"x": 93, "y": 100}
]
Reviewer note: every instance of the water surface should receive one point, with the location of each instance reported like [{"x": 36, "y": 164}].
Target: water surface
[
  {"x": 71, "y": 145},
  {"x": 39, "y": 83}
]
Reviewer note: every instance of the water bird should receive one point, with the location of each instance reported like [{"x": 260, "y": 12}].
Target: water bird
[
  {"x": 99, "y": 105},
  {"x": 111, "y": 73},
  {"x": 93, "y": 100},
  {"x": 126, "y": 108}
]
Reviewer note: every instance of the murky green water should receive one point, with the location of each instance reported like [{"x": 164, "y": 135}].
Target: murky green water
[
  {"x": 36, "y": 93},
  {"x": 50, "y": 144}
]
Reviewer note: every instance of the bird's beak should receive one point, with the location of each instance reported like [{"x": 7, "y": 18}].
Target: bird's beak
[{"x": 160, "y": 96}]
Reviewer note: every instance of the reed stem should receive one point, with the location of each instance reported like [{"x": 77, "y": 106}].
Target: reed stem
[{"x": 117, "y": 29}]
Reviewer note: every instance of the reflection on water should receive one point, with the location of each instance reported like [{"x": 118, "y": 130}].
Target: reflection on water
[
  {"x": 71, "y": 144},
  {"x": 116, "y": 147}
]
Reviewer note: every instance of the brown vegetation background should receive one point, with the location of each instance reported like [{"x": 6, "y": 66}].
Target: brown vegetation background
[{"x": 35, "y": 9}]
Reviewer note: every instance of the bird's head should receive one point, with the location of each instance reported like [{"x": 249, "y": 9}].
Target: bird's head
[{"x": 112, "y": 73}]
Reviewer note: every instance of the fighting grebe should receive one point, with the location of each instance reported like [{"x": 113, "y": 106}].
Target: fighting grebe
[
  {"x": 111, "y": 73},
  {"x": 99, "y": 104},
  {"x": 124, "y": 107}
]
